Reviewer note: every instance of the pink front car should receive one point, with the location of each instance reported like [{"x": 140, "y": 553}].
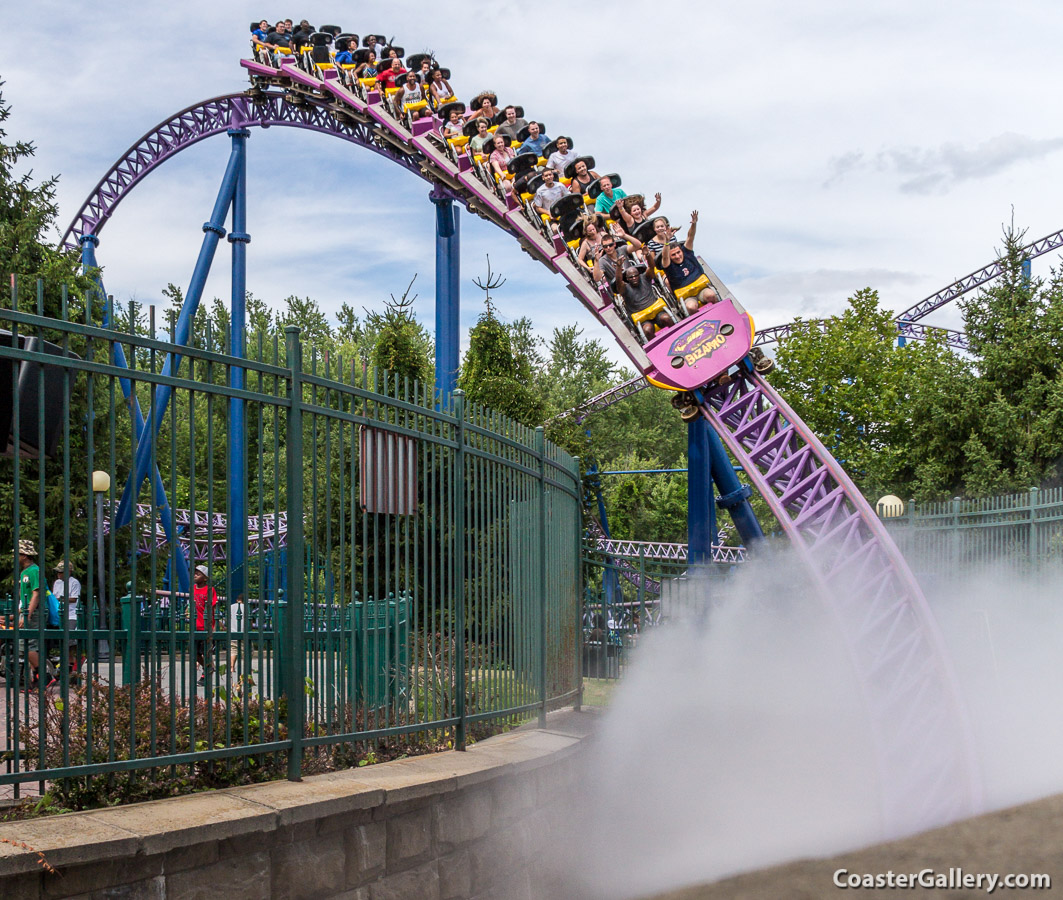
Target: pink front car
[{"x": 701, "y": 347}]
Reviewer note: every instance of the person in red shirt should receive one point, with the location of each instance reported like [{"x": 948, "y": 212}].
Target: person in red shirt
[{"x": 202, "y": 593}]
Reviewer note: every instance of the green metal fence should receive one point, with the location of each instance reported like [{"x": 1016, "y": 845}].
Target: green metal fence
[
  {"x": 646, "y": 592},
  {"x": 1020, "y": 533},
  {"x": 432, "y": 556}
]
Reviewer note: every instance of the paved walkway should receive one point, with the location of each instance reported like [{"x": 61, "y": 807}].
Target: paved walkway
[{"x": 1022, "y": 840}]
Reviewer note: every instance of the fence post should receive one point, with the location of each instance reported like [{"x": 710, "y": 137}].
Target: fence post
[
  {"x": 540, "y": 452},
  {"x": 459, "y": 569},
  {"x": 954, "y": 538},
  {"x": 1031, "y": 549},
  {"x": 642, "y": 586},
  {"x": 293, "y": 650},
  {"x": 578, "y": 485}
]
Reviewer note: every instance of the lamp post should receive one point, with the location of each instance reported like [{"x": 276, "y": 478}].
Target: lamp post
[{"x": 101, "y": 484}]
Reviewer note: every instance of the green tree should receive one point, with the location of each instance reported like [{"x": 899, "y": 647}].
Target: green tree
[
  {"x": 28, "y": 215},
  {"x": 1015, "y": 332},
  {"x": 401, "y": 345},
  {"x": 494, "y": 376},
  {"x": 846, "y": 379}
]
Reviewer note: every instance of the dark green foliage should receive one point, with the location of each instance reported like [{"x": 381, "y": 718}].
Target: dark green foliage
[
  {"x": 401, "y": 345},
  {"x": 28, "y": 237},
  {"x": 493, "y": 375}
]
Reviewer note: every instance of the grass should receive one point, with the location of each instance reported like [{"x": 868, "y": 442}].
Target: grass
[{"x": 598, "y": 691}]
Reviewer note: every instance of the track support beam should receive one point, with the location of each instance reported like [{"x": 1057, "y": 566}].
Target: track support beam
[{"x": 448, "y": 290}]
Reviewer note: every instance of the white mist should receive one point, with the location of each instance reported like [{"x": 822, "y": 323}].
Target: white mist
[{"x": 738, "y": 738}]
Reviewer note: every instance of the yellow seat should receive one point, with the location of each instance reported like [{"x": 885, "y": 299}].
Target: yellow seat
[
  {"x": 693, "y": 289},
  {"x": 566, "y": 181},
  {"x": 458, "y": 142},
  {"x": 650, "y": 312},
  {"x": 368, "y": 83},
  {"x": 417, "y": 104}
]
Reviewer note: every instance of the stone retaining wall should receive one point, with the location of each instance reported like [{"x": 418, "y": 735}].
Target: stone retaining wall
[{"x": 453, "y": 825}]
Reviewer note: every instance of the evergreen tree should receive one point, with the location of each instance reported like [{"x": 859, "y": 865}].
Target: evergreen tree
[{"x": 28, "y": 234}]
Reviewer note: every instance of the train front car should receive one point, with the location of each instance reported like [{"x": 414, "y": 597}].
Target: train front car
[{"x": 701, "y": 347}]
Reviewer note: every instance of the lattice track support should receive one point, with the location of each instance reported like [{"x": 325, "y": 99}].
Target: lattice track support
[{"x": 923, "y": 736}]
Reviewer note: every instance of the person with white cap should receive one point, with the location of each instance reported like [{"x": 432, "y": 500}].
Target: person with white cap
[
  {"x": 68, "y": 589},
  {"x": 202, "y": 592}
]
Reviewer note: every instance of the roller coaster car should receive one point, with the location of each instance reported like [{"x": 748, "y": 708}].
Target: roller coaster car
[
  {"x": 521, "y": 164},
  {"x": 701, "y": 347}
]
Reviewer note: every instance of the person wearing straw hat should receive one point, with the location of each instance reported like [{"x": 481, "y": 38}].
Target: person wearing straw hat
[{"x": 30, "y": 599}]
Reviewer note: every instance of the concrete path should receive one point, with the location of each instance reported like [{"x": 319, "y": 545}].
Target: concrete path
[{"x": 1022, "y": 840}]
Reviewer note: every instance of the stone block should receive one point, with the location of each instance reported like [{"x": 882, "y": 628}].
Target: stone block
[
  {"x": 455, "y": 876},
  {"x": 80, "y": 838},
  {"x": 149, "y": 889},
  {"x": 94, "y": 877},
  {"x": 497, "y": 856},
  {"x": 243, "y": 877},
  {"x": 462, "y": 818},
  {"x": 179, "y": 821},
  {"x": 409, "y": 838},
  {"x": 308, "y": 870},
  {"x": 195, "y": 856},
  {"x": 365, "y": 847},
  {"x": 421, "y": 883},
  {"x": 512, "y": 798},
  {"x": 21, "y": 887},
  {"x": 514, "y": 886},
  {"x": 313, "y": 798},
  {"x": 361, "y": 893}
]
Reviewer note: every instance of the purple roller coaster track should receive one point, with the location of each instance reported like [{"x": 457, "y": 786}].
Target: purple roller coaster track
[{"x": 897, "y": 653}]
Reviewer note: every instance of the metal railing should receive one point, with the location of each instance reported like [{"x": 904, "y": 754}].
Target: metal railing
[
  {"x": 430, "y": 583},
  {"x": 1019, "y": 533},
  {"x": 628, "y": 589}
]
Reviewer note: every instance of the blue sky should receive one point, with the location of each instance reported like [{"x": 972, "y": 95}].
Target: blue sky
[{"x": 828, "y": 146}]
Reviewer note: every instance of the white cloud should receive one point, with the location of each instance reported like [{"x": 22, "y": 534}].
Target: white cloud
[
  {"x": 743, "y": 112},
  {"x": 929, "y": 171}
]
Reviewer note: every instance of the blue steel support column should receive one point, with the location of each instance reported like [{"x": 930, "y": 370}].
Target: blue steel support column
[
  {"x": 89, "y": 242},
  {"x": 237, "y": 506},
  {"x": 700, "y": 517},
  {"x": 448, "y": 291},
  {"x": 213, "y": 231},
  {"x": 734, "y": 496}
]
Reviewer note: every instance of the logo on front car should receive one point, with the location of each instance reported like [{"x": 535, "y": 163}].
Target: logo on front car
[{"x": 700, "y": 342}]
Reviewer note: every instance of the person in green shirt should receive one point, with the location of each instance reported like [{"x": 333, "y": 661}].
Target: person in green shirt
[{"x": 30, "y": 598}]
